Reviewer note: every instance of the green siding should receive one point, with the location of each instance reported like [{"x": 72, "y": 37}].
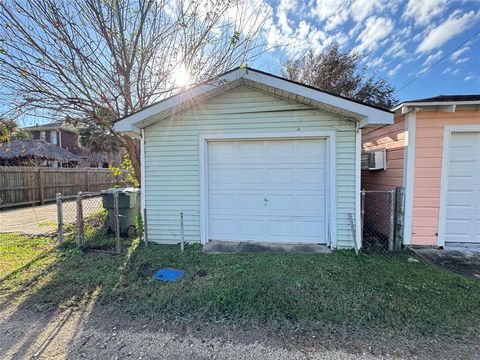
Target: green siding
[{"x": 172, "y": 158}]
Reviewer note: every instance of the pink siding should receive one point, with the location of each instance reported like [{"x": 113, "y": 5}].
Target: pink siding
[
  {"x": 392, "y": 138},
  {"x": 428, "y": 168}
]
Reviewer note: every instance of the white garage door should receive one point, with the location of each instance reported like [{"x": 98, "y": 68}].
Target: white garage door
[
  {"x": 463, "y": 193},
  {"x": 267, "y": 190}
]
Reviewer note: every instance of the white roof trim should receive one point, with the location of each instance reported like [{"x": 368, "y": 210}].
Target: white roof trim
[
  {"x": 435, "y": 103},
  {"x": 366, "y": 115}
]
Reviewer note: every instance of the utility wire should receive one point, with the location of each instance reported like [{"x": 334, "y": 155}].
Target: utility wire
[{"x": 438, "y": 62}]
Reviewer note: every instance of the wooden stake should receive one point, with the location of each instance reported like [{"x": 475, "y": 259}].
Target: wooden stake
[
  {"x": 117, "y": 221},
  {"x": 79, "y": 219}
]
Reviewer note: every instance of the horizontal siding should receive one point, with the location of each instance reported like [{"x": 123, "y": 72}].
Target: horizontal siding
[
  {"x": 172, "y": 158},
  {"x": 428, "y": 170},
  {"x": 391, "y": 138}
]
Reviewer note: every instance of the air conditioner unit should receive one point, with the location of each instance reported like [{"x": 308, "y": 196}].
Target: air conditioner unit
[{"x": 374, "y": 160}]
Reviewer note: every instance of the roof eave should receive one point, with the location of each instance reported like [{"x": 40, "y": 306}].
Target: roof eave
[{"x": 366, "y": 115}]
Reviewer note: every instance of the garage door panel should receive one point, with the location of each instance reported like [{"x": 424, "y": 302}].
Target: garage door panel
[
  {"x": 222, "y": 152},
  {"x": 280, "y": 176},
  {"x": 281, "y": 150},
  {"x": 220, "y": 227},
  {"x": 251, "y": 227},
  {"x": 462, "y": 217},
  {"x": 310, "y": 228},
  {"x": 222, "y": 177},
  {"x": 310, "y": 176},
  {"x": 251, "y": 151},
  {"x": 251, "y": 176},
  {"x": 274, "y": 191},
  {"x": 222, "y": 202}
]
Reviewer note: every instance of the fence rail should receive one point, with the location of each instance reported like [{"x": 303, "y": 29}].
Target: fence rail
[{"x": 20, "y": 185}]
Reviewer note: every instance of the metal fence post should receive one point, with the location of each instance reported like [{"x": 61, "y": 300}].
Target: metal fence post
[
  {"x": 362, "y": 217},
  {"x": 117, "y": 221},
  {"x": 182, "y": 236},
  {"x": 399, "y": 217},
  {"x": 145, "y": 227},
  {"x": 59, "y": 218},
  {"x": 79, "y": 219},
  {"x": 391, "y": 219}
]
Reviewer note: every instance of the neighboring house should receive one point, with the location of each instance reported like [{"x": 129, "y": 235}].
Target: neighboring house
[
  {"x": 250, "y": 156},
  {"x": 35, "y": 153},
  {"x": 65, "y": 135},
  {"x": 433, "y": 151},
  {"x": 60, "y": 133}
]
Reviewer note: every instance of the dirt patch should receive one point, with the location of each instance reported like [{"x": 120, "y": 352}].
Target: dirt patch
[
  {"x": 81, "y": 333},
  {"x": 462, "y": 262}
]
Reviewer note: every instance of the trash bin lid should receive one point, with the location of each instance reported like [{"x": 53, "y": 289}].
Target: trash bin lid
[{"x": 120, "y": 190}]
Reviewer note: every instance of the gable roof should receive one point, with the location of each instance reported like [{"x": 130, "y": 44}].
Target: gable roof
[
  {"x": 55, "y": 125},
  {"x": 366, "y": 115}
]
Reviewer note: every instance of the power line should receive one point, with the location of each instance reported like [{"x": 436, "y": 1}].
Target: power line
[{"x": 438, "y": 62}]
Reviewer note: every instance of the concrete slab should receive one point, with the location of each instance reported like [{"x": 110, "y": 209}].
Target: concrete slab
[
  {"x": 462, "y": 261},
  {"x": 226, "y": 247}
]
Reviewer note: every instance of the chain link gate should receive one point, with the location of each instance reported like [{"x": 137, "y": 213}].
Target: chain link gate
[{"x": 382, "y": 219}]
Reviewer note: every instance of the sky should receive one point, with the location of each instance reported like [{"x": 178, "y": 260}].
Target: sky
[{"x": 398, "y": 39}]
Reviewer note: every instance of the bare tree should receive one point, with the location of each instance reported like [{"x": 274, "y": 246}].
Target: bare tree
[
  {"x": 71, "y": 58},
  {"x": 340, "y": 73}
]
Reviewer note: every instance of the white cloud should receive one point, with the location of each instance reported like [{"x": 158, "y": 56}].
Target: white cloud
[
  {"x": 459, "y": 52},
  {"x": 337, "y": 12},
  {"x": 463, "y": 60},
  {"x": 432, "y": 58},
  {"x": 397, "y": 49},
  {"x": 376, "y": 29},
  {"x": 454, "y": 25},
  {"x": 394, "y": 71},
  {"x": 376, "y": 62},
  {"x": 423, "y": 11},
  {"x": 469, "y": 77},
  {"x": 361, "y": 9}
]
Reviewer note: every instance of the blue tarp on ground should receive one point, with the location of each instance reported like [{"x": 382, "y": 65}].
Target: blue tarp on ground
[{"x": 168, "y": 274}]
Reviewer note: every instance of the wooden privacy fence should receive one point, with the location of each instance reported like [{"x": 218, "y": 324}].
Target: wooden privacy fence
[{"x": 21, "y": 185}]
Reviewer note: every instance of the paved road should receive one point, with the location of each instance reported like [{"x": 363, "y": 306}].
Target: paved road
[{"x": 37, "y": 220}]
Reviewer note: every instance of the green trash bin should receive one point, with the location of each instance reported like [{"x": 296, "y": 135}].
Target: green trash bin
[{"x": 128, "y": 208}]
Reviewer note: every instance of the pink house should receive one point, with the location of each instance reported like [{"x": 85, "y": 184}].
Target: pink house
[{"x": 433, "y": 151}]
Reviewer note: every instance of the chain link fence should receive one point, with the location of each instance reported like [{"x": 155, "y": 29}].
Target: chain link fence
[
  {"x": 82, "y": 219},
  {"x": 382, "y": 218}
]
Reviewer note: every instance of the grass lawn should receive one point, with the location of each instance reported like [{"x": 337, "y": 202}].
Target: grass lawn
[{"x": 286, "y": 291}]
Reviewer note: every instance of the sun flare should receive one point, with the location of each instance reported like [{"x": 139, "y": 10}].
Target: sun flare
[{"x": 182, "y": 76}]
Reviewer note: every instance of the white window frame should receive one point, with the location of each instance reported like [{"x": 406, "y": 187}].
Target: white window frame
[
  {"x": 53, "y": 135},
  {"x": 43, "y": 135},
  {"x": 447, "y": 136},
  {"x": 331, "y": 183}
]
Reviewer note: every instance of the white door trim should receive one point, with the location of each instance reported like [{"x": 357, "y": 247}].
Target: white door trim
[
  {"x": 447, "y": 134},
  {"x": 409, "y": 174},
  {"x": 331, "y": 196},
  {"x": 358, "y": 176},
  {"x": 142, "y": 174}
]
